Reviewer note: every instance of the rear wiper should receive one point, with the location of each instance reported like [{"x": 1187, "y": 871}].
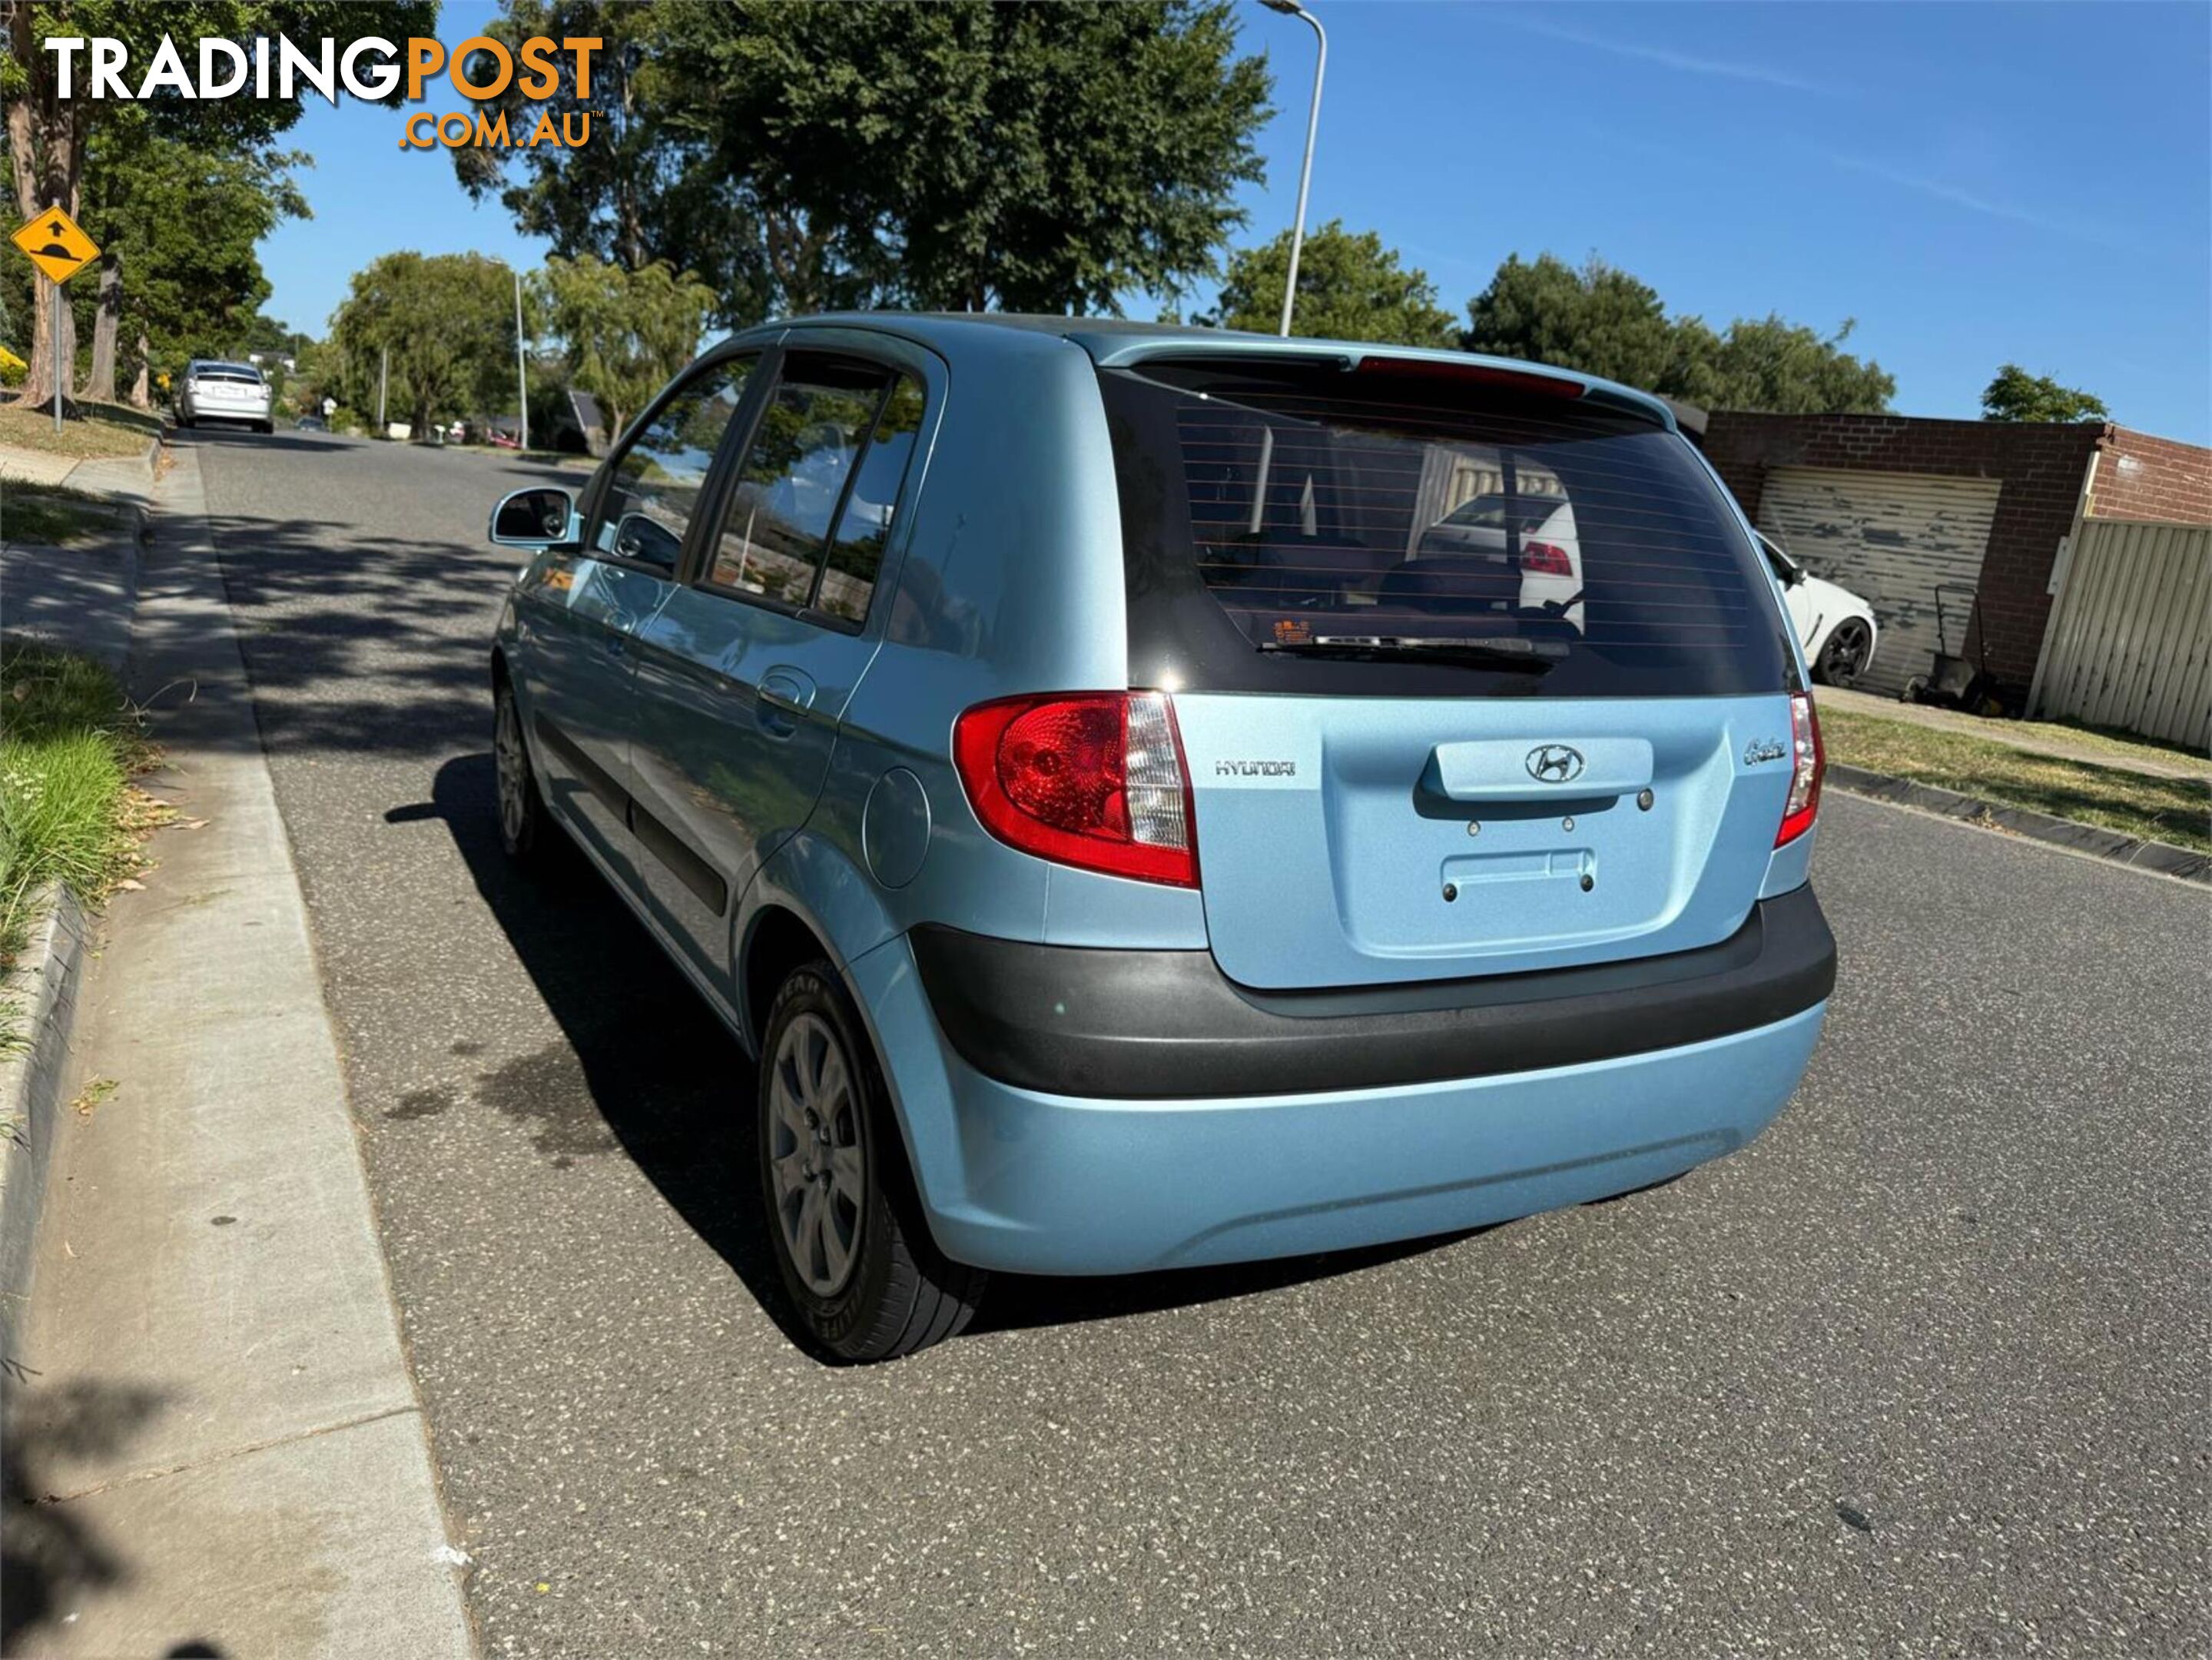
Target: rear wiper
[{"x": 1527, "y": 656}]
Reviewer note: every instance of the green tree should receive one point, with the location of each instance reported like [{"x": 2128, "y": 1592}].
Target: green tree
[
  {"x": 1603, "y": 321},
  {"x": 1784, "y": 369},
  {"x": 1351, "y": 286},
  {"x": 640, "y": 191},
  {"x": 799, "y": 156},
  {"x": 49, "y": 137},
  {"x": 1598, "y": 320},
  {"x": 183, "y": 225},
  {"x": 2016, "y": 395},
  {"x": 446, "y": 320},
  {"x": 627, "y": 332}
]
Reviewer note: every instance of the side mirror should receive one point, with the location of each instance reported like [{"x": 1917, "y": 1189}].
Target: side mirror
[
  {"x": 531, "y": 517},
  {"x": 647, "y": 541}
]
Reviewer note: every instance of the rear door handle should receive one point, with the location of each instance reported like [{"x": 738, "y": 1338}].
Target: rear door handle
[{"x": 782, "y": 694}]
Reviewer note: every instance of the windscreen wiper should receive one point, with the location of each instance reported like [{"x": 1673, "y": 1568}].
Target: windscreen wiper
[{"x": 1524, "y": 656}]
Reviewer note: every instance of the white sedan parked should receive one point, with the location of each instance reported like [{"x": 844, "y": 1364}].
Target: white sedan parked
[
  {"x": 215, "y": 391},
  {"x": 1836, "y": 626}
]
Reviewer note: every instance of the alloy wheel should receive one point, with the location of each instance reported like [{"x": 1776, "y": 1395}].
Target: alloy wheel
[
  {"x": 512, "y": 763},
  {"x": 816, "y": 1154},
  {"x": 1845, "y": 658}
]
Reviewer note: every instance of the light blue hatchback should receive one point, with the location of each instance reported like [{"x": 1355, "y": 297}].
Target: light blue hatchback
[{"x": 1153, "y": 797}]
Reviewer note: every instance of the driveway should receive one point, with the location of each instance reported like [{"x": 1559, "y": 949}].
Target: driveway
[{"x": 1924, "y": 1370}]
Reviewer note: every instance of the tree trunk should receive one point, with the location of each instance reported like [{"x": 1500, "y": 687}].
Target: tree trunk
[
  {"x": 45, "y": 152},
  {"x": 100, "y": 377},
  {"x": 142, "y": 384}
]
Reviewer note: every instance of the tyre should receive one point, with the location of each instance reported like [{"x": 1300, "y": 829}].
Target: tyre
[
  {"x": 185, "y": 421},
  {"x": 266, "y": 428},
  {"x": 523, "y": 832},
  {"x": 844, "y": 1221},
  {"x": 1844, "y": 655}
]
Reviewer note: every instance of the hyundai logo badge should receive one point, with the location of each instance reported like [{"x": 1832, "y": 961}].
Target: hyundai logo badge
[{"x": 1555, "y": 763}]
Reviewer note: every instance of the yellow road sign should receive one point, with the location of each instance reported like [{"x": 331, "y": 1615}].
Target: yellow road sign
[{"x": 56, "y": 245}]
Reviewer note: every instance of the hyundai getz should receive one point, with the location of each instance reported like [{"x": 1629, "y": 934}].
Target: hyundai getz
[{"x": 1126, "y": 836}]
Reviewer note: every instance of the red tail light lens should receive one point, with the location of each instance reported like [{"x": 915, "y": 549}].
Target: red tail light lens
[
  {"x": 1096, "y": 780},
  {"x": 1809, "y": 762},
  {"x": 1543, "y": 559}
]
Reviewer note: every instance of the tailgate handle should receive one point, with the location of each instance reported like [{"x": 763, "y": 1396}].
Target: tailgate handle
[{"x": 1556, "y": 770}]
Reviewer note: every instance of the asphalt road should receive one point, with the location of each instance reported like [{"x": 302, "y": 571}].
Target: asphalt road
[{"x": 1925, "y": 1370}]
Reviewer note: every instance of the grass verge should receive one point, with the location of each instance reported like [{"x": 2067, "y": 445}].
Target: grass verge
[
  {"x": 2126, "y": 745},
  {"x": 98, "y": 429},
  {"x": 70, "y": 744},
  {"x": 53, "y": 513},
  {"x": 2173, "y": 809}
]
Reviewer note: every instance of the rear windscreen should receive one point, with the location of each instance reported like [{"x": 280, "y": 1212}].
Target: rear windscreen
[{"x": 1399, "y": 530}]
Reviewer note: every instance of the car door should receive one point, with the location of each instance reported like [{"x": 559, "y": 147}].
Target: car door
[
  {"x": 582, "y": 606},
  {"x": 744, "y": 673}
]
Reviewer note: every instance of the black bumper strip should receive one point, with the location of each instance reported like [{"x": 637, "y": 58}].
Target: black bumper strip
[
  {"x": 1156, "y": 1025},
  {"x": 705, "y": 882},
  {"x": 694, "y": 873},
  {"x": 597, "y": 778}
]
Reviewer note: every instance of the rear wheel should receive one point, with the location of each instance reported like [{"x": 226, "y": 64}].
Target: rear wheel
[
  {"x": 523, "y": 832},
  {"x": 844, "y": 1220},
  {"x": 1843, "y": 656}
]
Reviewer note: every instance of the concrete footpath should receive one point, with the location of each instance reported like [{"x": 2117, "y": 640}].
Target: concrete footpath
[
  {"x": 214, "y": 1445},
  {"x": 83, "y": 596}
]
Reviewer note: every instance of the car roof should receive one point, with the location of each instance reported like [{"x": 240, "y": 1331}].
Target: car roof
[{"x": 1120, "y": 341}]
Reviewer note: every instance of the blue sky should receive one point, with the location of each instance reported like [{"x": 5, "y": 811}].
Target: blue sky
[{"x": 1972, "y": 182}]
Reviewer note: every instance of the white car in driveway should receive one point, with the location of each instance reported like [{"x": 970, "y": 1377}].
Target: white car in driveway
[
  {"x": 1836, "y": 627},
  {"x": 215, "y": 390}
]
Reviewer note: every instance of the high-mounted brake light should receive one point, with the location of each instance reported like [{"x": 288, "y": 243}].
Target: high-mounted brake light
[
  {"x": 1809, "y": 762},
  {"x": 1096, "y": 780},
  {"x": 1544, "y": 559},
  {"x": 1432, "y": 369}
]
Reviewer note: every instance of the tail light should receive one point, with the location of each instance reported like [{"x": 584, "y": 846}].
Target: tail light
[
  {"x": 1544, "y": 559},
  {"x": 1472, "y": 374},
  {"x": 1808, "y": 763},
  {"x": 1096, "y": 780}
]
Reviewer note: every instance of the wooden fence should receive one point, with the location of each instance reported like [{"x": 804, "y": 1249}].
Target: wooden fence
[{"x": 2130, "y": 638}]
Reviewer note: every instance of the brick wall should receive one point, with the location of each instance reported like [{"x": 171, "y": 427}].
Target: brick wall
[
  {"x": 2041, "y": 468},
  {"x": 2146, "y": 478}
]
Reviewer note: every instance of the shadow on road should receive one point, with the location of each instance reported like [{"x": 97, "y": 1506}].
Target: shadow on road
[
  {"x": 645, "y": 1058},
  {"x": 362, "y": 644}
]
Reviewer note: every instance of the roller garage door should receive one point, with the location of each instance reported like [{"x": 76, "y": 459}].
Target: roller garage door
[{"x": 1889, "y": 538}]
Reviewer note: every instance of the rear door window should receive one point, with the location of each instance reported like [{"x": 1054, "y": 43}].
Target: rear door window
[
  {"x": 810, "y": 515},
  {"x": 1408, "y": 528}
]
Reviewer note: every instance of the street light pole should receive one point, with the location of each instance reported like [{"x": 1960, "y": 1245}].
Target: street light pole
[
  {"x": 521, "y": 379},
  {"x": 60, "y": 380},
  {"x": 1292, "y": 8}
]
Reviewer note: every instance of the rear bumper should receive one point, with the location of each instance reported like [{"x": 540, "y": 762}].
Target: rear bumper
[
  {"x": 1161, "y": 1025},
  {"x": 1040, "y": 1180}
]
